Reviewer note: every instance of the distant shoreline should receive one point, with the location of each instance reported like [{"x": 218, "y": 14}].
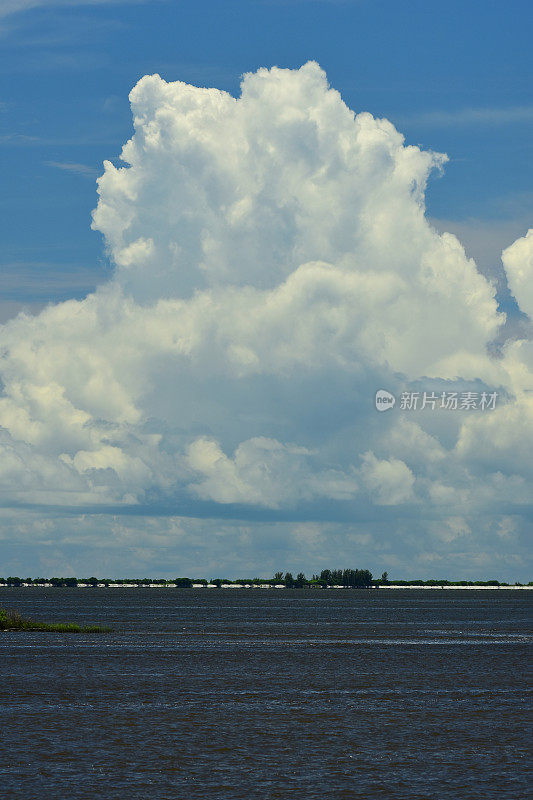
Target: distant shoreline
[
  {"x": 336, "y": 579},
  {"x": 262, "y": 586}
]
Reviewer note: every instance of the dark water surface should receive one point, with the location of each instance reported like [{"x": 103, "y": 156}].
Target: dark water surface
[{"x": 267, "y": 694}]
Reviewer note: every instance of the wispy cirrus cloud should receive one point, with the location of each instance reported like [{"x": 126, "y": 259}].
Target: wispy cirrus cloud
[
  {"x": 9, "y": 7},
  {"x": 30, "y": 285},
  {"x": 42, "y": 280},
  {"x": 471, "y": 116},
  {"x": 77, "y": 169},
  {"x": 23, "y": 140},
  {"x": 18, "y": 139}
]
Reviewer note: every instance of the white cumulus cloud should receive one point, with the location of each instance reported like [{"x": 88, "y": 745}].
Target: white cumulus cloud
[
  {"x": 518, "y": 262},
  {"x": 273, "y": 267}
]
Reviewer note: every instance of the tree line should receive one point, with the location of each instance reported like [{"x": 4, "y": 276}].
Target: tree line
[
  {"x": 360, "y": 578},
  {"x": 353, "y": 578}
]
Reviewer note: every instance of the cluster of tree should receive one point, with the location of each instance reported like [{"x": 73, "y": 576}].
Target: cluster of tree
[
  {"x": 92, "y": 581},
  {"x": 40, "y": 581},
  {"x": 359, "y": 578}
]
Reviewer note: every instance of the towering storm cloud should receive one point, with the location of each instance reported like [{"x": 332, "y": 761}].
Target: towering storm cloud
[{"x": 273, "y": 269}]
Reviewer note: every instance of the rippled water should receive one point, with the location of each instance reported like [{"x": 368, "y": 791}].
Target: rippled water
[{"x": 267, "y": 694}]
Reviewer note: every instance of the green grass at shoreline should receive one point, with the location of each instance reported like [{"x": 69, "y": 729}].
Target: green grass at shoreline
[{"x": 13, "y": 621}]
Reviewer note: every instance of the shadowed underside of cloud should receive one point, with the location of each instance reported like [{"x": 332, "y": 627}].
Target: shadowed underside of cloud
[{"x": 273, "y": 268}]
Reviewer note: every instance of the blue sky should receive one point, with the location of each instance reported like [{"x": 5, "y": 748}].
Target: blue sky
[
  {"x": 452, "y": 77},
  {"x": 263, "y": 268}
]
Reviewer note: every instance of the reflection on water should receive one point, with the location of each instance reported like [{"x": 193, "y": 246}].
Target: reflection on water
[{"x": 344, "y": 695}]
